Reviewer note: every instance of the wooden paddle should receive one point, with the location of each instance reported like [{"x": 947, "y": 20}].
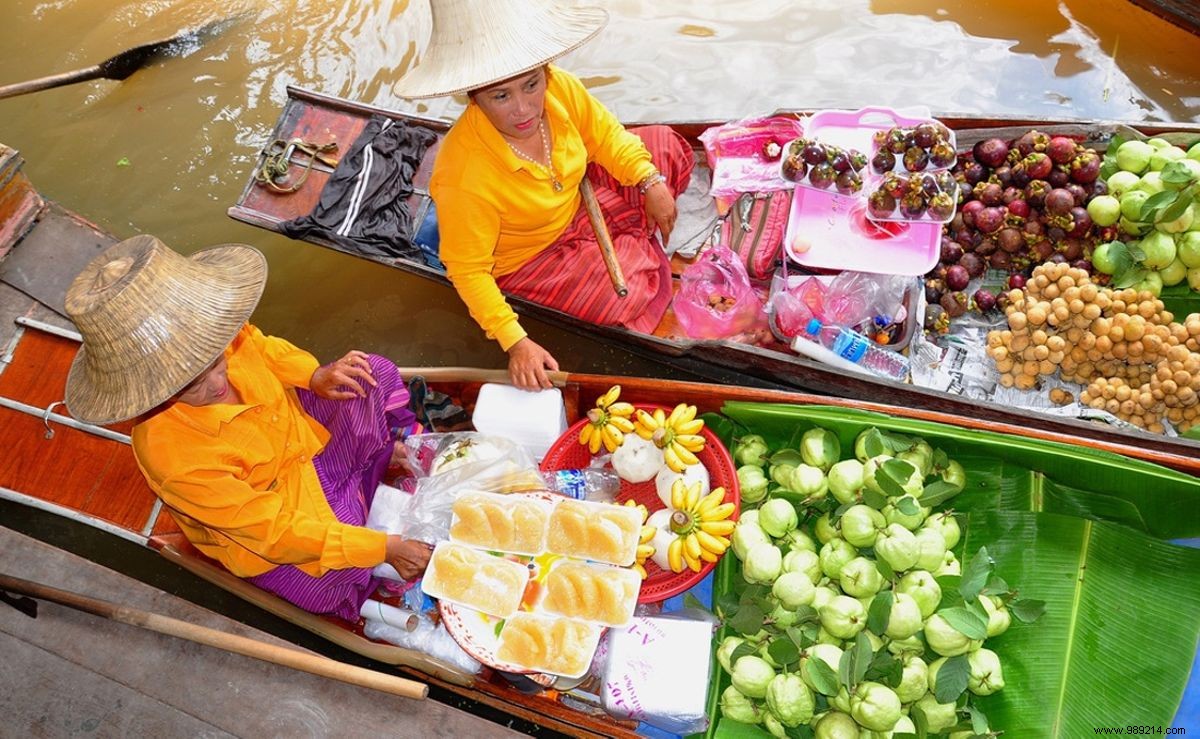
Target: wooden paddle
[
  {"x": 603, "y": 238},
  {"x": 115, "y": 68},
  {"x": 294, "y": 658},
  {"x": 474, "y": 374}
]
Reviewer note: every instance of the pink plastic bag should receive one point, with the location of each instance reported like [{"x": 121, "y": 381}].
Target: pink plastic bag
[
  {"x": 736, "y": 157},
  {"x": 715, "y": 298},
  {"x": 795, "y": 301}
]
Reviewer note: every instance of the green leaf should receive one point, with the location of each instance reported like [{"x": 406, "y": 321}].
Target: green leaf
[
  {"x": 952, "y": 679},
  {"x": 823, "y": 677},
  {"x": 975, "y": 575},
  {"x": 846, "y": 668},
  {"x": 938, "y": 492},
  {"x": 798, "y": 637},
  {"x": 786, "y": 456},
  {"x": 748, "y": 620},
  {"x": 886, "y": 669},
  {"x": 873, "y": 444},
  {"x": 979, "y": 722},
  {"x": 1175, "y": 209},
  {"x": 1128, "y": 278},
  {"x": 727, "y": 604},
  {"x": 884, "y": 568},
  {"x": 941, "y": 460},
  {"x": 863, "y": 656},
  {"x": 965, "y": 622},
  {"x": 742, "y": 650},
  {"x": 1027, "y": 610},
  {"x": 886, "y": 480},
  {"x": 803, "y": 731},
  {"x": 754, "y": 593},
  {"x": 873, "y": 499},
  {"x": 908, "y": 505},
  {"x": 691, "y": 601},
  {"x": 1136, "y": 253},
  {"x": 784, "y": 652}
]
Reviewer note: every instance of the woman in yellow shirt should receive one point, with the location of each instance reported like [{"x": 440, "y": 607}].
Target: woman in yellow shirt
[
  {"x": 267, "y": 460},
  {"x": 507, "y": 176}
]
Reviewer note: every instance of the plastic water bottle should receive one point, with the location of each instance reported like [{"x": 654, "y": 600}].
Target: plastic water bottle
[
  {"x": 854, "y": 347},
  {"x": 592, "y": 484}
]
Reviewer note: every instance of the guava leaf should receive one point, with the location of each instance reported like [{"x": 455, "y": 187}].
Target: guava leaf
[
  {"x": 863, "y": 656},
  {"x": 806, "y": 614},
  {"x": 885, "y": 478},
  {"x": 952, "y": 679},
  {"x": 917, "y": 714},
  {"x": 1175, "y": 209},
  {"x": 727, "y": 604},
  {"x": 748, "y": 620},
  {"x": 940, "y": 459},
  {"x": 873, "y": 444},
  {"x": 908, "y": 505},
  {"x": 965, "y": 622},
  {"x": 951, "y": 596},
  {"x": 1155, "y": 203},
  {"x": 1027, "y": 610},
  {"x": 938, "y": 492},
  {"x": 824, "y": 679},
  {"x": 1128, "y": 278},
  {"x": 754, "y": 593},
  {"x": 783, "y": 651},
  {"x": 886, "y": 669},
  {"x": 880, "y": 612},
  {"x": 884, "y": 568},
  {"x": 1136, "y": 253},
  {"x": 742, "y": 650},
  {"x": 995, "y": 586},
  {"x": 798, "y": 637},
  {"x": 979, "y": 721},
  {"x": 691, "y": 601},
  {"x": 975, "y": 575},
  {"x": 803, "y": 731},
  {"x": 873, "y": 499},
  {"x": 786, "y": 456}
]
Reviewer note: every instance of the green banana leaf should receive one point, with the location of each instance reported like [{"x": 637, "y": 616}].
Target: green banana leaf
[
  {"x": 1064, "y": 525},
  {"x": 1012, "y": 473},
  {"x": 1181, "y": 300}
]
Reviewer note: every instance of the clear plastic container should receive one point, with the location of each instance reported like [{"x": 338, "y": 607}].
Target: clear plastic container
[{"x": 596, "y": 485}]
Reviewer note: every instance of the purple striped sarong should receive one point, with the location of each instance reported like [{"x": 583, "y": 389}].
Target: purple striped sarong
[{"x": 350, "y": 467}]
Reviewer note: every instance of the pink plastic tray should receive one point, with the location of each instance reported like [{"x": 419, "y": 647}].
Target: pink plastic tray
[{"x": 836, "y": 227}]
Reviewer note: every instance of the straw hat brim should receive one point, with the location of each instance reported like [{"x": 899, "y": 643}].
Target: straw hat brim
[
  {"x": 466, "y": 52},
  {"x": 159, "y": 331}
]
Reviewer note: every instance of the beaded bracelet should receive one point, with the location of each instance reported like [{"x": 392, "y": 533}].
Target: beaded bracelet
[{"x": 650, "y": 181}]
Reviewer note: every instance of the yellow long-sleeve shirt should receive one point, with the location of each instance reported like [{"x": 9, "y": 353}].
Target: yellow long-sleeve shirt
[
  {"x": 497, "y": 211},
  {"x": 239, "y": 478}
]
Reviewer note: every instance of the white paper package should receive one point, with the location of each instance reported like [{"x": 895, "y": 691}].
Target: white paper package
[{"x": 657, "y": 671}]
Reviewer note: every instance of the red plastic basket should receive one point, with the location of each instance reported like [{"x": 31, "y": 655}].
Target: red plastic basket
[{"x": 568, "y": 454}]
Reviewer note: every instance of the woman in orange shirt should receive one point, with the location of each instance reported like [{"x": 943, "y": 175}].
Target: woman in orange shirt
[
  {"x": 507, "y": 176},
  {"x": 267, "y": 460}
]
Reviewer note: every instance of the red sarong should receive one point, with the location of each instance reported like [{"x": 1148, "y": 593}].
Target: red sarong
[{"x": 570, "y": 275}]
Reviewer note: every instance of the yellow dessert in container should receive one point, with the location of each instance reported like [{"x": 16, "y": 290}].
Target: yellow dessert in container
[
  {"x": 601, "y": 593},
  {"x": 550, "y": 644},
  {"x": 503, "y": 523},
  {"x": 601, "y": 532},
  {"x": 475, "y": 579}
]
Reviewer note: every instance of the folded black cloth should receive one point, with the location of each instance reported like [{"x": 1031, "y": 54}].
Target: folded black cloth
[{"x": 364, "y": 206}]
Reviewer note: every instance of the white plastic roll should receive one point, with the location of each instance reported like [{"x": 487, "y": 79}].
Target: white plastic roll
[{"x": 373, "y": 610}]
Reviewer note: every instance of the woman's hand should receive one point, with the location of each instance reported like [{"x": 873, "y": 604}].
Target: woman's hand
[
  {"x": 340, "y": 380},
  {"x": 408, "y": 556},
  {"x": 527, "y": 365},
  {"x": 660, "y": 209}
]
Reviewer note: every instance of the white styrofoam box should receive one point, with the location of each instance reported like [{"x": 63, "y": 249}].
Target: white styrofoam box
[{"x": 533, "y": 419}]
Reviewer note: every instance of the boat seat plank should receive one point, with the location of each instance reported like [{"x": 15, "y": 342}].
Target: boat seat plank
[{"x": 96, "y": 476}]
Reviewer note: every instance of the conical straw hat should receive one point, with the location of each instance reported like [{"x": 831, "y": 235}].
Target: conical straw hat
[
  {"x": 152, "y": 320},
  {"x": 475, "y": 43}
]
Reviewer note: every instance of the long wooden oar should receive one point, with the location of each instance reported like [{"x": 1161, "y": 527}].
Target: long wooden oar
[
  {"x": 273, "y": 653},
  {"x": 114, "y": 68},
  {"x": 603, "y": 238}
]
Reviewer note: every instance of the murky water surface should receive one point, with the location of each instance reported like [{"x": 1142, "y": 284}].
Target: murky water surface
[{"x": 169, "y": 149}]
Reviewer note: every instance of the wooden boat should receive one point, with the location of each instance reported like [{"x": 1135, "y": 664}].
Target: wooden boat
[
  {"x": 88, "y": 475},
  {"x": 319, "y": 119}
]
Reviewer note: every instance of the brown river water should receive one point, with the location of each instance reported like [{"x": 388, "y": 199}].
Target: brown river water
[{"x": 169, "y": 149}]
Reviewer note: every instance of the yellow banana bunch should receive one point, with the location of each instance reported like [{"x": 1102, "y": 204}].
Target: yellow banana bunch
[
  {"x": 677, "y": 434},
  {"x": 644, "y": 549},
  {"x": 701, "y": 526},
  {"x": 607, "y": 423}
]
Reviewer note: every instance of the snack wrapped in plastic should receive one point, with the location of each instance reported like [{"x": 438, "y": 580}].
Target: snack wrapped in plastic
[
  {"x": 558, "y": 646},
  {"x": 475, "y": 579}
]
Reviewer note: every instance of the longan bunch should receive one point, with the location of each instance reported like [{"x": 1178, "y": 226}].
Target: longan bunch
[{"x": 1122, "y": 345}]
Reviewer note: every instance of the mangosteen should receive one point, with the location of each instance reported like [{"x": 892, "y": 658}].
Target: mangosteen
[
  {"x": 969, "y": 210},
  {"x": 1061, "y": 149},
  {"x": 1041, "y": 250},
  {"x": 1037, "y": 165},
  {"x": 858, "y": 160},
  {"x": 794, "y": 168},
  {"x": 941, "y": 154},
  {"x": 990, "y": 152},
  {"x": 771, "y": 150},
  {"x": 1099, "y": 187},
  {"x": 896, "y": 141},
  {"x": 1083, "y": 222},
  {"x": 986, "y": 246},
  {"x": 990, "y": 193},
  {"x": 883, "y": 161},
  {"x": 973, "y": 264},
  {"x": 1085, "y": 168},
  {"x": 916, "y": 159},
  {"x": 912, "y": 205},
  {"x": 839, "y": 160},
  {"x": 957, "y": 277},
  {"x": 1003, "y": 175},
  {"x": 821, "y": 175},
  {"x": 934, "y": 289},
  {"x": 1079, "y": 192},
  {"x": 1071, "y": 248},
  {"x": 814, "y": 153},
  {"x": 1019, "y": 208},
  {"x": 1000, "y": 260},
  {"x": 951, "y": 251},
  {"x": 1016, "y": 281},
  {"x": 1011, "y": 240},
  {"x": 848, "y": 182},
  {"x": 895, "y": 184},
  {"x": 1083, "y": 264},
  {"x": 936, "y": 320},
  {"x": 989, "y": 219},
  {"x": 1058, "y": 177},
  {"x": 974, "y": 172},
  {"x": 1059, "y": 201},
  {"x": 927, "y": 183},
  {"x": 1035, "y": 192},
  {"x": 954, "y": 303},
  {"x": 925, "y": 135},
  {"x": 941, "y": 206},
  {"x": 984, "y": 300},
  {"x": 796, "y": 148},
  {"x": 1032, "y": 141},
  {"x": 881, "y": 204}
]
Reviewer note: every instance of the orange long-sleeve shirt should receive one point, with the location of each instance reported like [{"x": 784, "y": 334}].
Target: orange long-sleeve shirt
[
  {"x": 497, "y": 211},
  {"x": 239, "y": 478}
]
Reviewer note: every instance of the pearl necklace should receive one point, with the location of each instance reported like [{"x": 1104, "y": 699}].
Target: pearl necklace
[{"x": 549, "y": 165}]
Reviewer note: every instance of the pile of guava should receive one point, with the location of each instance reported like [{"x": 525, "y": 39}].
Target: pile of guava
[
  {"x": 853, "y": 616},
  {"x": 1153, "y": 188}
]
